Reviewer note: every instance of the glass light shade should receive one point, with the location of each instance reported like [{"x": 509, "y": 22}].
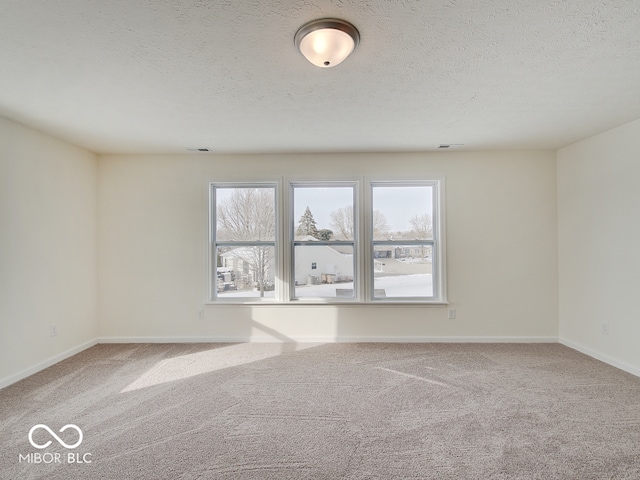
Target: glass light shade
[
  {"x": 326, "y": 47},
  {"x": 327, "y": 42}
]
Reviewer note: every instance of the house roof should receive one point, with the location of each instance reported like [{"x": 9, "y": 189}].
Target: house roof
[
  {"x": 163, "y": 76},
  {"x": 306, "y": 238}
]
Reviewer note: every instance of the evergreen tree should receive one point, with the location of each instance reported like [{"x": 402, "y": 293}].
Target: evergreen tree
[
  {"x": 325, "y": 234},
  {"x": 307, "y": 225}
]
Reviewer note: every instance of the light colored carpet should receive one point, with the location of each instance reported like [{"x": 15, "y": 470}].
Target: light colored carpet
[{"x": 333, "y": 411}]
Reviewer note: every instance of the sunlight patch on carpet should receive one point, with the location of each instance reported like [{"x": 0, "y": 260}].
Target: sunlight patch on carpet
[
  {"x": 186, "y": 366},
  {"x": 416, "y": 377}
]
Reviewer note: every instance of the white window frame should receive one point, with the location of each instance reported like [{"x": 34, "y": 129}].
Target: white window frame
[
  {"x": 437, "y": 243},
  {"x": 293, "y": 243},
  {"x": 214, "y": 243},
  {"x": 363, "y": 242}
]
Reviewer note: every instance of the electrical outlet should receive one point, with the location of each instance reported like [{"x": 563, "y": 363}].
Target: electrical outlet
[
  {"x": 53, "y": 330},
  {"x": 604, "y": 329},
  {"x": 201, "y": 314},
  {"x": 451, "y": 314}
]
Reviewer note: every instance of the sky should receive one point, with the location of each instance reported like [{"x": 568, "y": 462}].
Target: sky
[
  {"x": 398, "y": 204},
  {"x": 321, "y": 202}
]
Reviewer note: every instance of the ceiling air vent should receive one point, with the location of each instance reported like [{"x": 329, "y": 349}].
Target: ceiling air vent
[
  {"x": 198, "y": 149},
  {"x": 445, "y": 146}
]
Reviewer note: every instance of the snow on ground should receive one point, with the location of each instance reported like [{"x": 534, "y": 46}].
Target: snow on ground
[
  {"x": 245, "y": 294},
  {"x": 413, "y": 260},
  {"x": 417, "y": 285}
]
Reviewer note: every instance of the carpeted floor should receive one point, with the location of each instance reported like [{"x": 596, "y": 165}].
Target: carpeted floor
[{"x": 324, "y": 411}]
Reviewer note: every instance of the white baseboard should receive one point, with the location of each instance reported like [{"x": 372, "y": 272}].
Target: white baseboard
[
  {"x": 320, "y": 339},
  {"x": 5, "y": 382},
  {"x": 203, "y": 339},
  {"x": 449, "y": 339},
  {"x": 603, "y": 358}
]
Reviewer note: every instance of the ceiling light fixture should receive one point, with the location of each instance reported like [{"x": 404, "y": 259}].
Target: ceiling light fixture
[{"x": 327, "y": 42}]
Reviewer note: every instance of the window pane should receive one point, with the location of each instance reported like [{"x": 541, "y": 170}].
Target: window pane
[
  {"x": 324, "y": 213},
  {"x": 245, "y": 214},
  {"x": 402, "y": 271},
  {"x": 323, "y": 271},
  {"x": 245, "y": 271},
  {"x": 402, "y": 212}
]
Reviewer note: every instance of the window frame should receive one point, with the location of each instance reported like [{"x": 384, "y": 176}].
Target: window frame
[
  {"x": 293, "y": 243},
  {"x": 214, "y": 244},
  {"x": 363, "y": 242},
  {"x": 436, "y": 242}
]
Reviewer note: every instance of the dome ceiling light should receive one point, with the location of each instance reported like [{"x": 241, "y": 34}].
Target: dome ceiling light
[{"x": 327, "y": 42}]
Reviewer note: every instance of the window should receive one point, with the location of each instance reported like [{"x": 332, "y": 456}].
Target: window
[
  {"x": 403, "y": 218},
  {"x": 243, "y": 241},
  {"x": 323, "y": 231},
  {"x": 345, "y": 241}
]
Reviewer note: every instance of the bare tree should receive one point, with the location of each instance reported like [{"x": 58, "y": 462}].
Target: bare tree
[
  {"x": 422, "y": 229},
  {"x": 421, "y": 226},
  {"x": 342, "y": 223},
  {"x": 380, "y": 226},
  {"x": 247, "y": 215}
]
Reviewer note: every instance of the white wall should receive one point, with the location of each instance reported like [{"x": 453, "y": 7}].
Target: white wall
[
  {"x": 131, "y": 231},
  {"x": 501, "y": 245},
  {"x": 599, "y": 242},
  {"x": 48, "y": 250}
]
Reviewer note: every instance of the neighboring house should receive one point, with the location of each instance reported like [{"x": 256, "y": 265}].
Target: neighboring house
[
  {"x": 411, "y": 251},
  {"x": 240, "y": 268},
  {"x": 406, "y": 251},
  {"x": 383, "y": 252},
  {"x": 314, "y": 265},
  {"x": 322, "y": 264}
]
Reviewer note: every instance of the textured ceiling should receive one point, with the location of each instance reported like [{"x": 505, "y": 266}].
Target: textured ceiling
[{"x": 160, "y": 76}]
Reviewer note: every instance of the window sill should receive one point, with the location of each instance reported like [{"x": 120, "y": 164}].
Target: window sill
[{"x": 317, "y": 303}]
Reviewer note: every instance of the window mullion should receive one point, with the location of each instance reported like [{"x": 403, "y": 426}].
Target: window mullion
[
  {"x": 366, "y": 247},
  {"x": 284, "y": 220}
]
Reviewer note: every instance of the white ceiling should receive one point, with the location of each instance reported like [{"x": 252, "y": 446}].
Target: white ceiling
[{"x": 160, "y": 76}]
